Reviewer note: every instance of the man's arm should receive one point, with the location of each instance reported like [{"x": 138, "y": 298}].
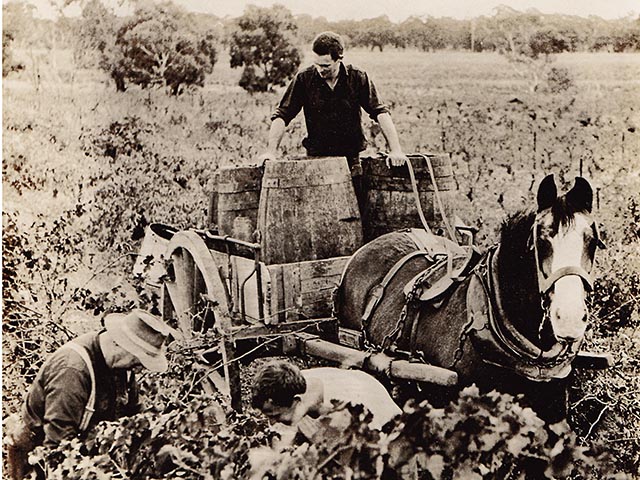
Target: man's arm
[
  {"x": 276, "y": 132},
  {"x": 290, "y": 105},
  {"x": 396, "y": 156}
]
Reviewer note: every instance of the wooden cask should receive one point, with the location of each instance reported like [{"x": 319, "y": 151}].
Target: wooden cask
[
  {"x": 234, "y": 205},
  {"x": 308, "y": 210},
  {"x": 390, "y": 202}
]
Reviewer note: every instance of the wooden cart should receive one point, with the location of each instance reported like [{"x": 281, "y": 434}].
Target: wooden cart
[{"x": 261, "y": 278}]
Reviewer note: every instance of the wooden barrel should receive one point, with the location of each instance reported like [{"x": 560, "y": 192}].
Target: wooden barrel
[
  {"x": 308, "y": 210},
  {"x": 234, "y": 203},
  {"x": 390, "y": 203}
]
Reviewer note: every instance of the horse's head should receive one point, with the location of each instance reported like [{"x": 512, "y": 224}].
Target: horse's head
[{"x": 563, "y": 240}]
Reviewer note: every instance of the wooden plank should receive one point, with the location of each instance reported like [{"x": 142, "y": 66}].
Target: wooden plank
[
  {"x": 311, "y": 285},
  {"x": 324, "y": 267},
  {"x": 304, "y": 287},
  {"x": 277, "y": 294},
  {"x": 288, "y": 327},
  {"x": 349, "y": 357},
  {"x": 291, "y": 290},
  {"x": 231, "y": 367},
  {"x": 593, "y": 360},
  {"x": 180, "y": 306}
]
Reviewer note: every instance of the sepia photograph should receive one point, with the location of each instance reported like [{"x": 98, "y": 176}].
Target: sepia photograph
[{"x": 292, "y": 239}]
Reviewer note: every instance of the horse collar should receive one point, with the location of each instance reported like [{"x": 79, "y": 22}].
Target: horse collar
[{"x": 497, "y": 340}]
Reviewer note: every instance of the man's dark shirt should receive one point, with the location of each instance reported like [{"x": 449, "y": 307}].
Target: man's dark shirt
[
  {"x": 58, "y": 397},
  {"x": 332, "y": 116}
]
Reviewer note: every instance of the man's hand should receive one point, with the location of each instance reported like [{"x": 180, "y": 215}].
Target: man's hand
[
  {"x": 396, "y": 159},
  {"x": 268, "y": 155}
]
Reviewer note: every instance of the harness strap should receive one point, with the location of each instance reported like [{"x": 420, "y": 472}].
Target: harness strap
[
  {"x": 504, "y": 332},
  {"x": 436, "y": 192},
  {"x": 486, "y": 280},
  {"x": 414, "y": 187},
  {"x": 89, "y": 409},
  {"x": 377, "y": 292},
  {"x": 546, "y": 283}
]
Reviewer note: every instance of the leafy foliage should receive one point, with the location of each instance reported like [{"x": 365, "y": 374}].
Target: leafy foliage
[
  {"x": 264, "y": 44},
  {"x": 490, "y": 436},
  {"x": 158, "y": 46},
  {"x": 477, "y": 436}
]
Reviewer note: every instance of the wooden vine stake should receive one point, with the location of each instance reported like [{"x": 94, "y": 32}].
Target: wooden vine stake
[{"x": 227, "y": 348}]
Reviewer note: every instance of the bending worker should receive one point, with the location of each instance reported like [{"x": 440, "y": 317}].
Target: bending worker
[
  {"x": 87, "y": 380},
  {"x": 287, "y": 395}
]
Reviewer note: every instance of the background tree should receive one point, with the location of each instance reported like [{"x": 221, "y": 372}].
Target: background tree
[
  {"x": 263, "y": 44},
  {"x": 375, "y": 33},
  {"x": 522, "y": 39},
  {"x": 159, "y": 46},
  {"x": 95, "y": 34},
  {"x": 16, "y": 19}
]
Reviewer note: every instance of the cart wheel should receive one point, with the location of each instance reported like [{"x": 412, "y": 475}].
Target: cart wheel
[{"x": 195, "y": 292}]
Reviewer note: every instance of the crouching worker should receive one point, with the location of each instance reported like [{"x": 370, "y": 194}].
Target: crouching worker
[
  {"x": 286, "y": 394},
  {"x": 88, "y": 380}
]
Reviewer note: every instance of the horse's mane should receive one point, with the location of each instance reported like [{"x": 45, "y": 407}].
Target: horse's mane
[
  {"x": 515, "y": 230},
  {"x": 518, "y": 280}
]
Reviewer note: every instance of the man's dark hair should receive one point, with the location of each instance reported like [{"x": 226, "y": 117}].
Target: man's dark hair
[
  {"x": 279, "y": 381},
  {"x": 328, "y": 43}
]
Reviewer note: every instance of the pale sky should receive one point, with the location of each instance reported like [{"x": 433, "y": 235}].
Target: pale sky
[{"x": 396, "y": 10}]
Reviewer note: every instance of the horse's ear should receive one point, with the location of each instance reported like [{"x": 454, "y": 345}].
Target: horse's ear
[
  {"x": 581, "y": 195},
  {"x": 547, "y": 193}
]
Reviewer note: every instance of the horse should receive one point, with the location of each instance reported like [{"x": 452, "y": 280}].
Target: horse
[{"x": 513, "y": 322}]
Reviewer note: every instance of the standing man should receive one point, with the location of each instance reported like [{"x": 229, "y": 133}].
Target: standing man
[
  {"x": 85, "y": 381},
  {"x": 332, "y": 94}
]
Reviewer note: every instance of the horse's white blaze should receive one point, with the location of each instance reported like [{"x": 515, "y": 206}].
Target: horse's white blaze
[{"x": 568, "y": 309}]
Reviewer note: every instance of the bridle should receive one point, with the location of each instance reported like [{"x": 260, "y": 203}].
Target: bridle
[
  {"x": 546, "y": 282},
  {"x": 497, "y": 339}
]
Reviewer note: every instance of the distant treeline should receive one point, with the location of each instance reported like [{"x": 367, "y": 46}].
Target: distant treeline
[
  {"x": 563, "y": 32},
  {"x": 558, "y": 33}
]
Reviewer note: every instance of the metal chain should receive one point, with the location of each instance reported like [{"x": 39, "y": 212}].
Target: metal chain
[
  {"x": 546, "y": 315},
  {"x": 464, "y": 335},
  {"x": 410, "y": 302}
]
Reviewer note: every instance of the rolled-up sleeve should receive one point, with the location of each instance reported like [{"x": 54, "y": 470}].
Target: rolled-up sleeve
[
  {"x": 291, "y": 102},
  {"x": 369, "y": 99}
]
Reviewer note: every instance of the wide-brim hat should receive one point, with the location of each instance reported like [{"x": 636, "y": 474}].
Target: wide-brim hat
[{"x": 143, "y": 335}]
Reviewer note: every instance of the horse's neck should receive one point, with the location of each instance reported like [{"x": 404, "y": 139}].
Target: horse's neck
[{"x": 517, "y": 290}]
